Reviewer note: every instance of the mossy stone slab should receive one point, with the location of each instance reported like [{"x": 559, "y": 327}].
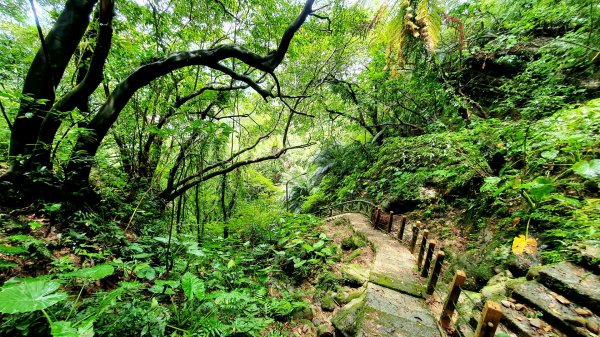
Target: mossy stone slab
[
  {"x": 390, "y": 313},
  {"x": 385, "y": 312},
  {"x": 354, "y": 274},
  {"x": 554, "y": 312},
  {"x": 347, "y": 320},
  {"x": 574, "y": 282}
]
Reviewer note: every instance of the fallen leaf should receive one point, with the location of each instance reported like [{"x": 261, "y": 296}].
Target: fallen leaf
[{"x": 522, "y": 245}]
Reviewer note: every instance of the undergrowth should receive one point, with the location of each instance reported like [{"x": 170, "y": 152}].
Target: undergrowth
[{"x": 161, "y": 285}]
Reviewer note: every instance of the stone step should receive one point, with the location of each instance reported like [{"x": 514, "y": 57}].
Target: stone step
[
  {"x": 384, "y": 312},
  {"x": 394, "y": 266},
  {"x": 572, "y": 319},
  {"x": 574, "y": 282},
  {"x": 522, "y": 320}
]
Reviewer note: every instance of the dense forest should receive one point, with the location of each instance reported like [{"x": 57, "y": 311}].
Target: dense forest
[{"x": 166, "y": 166}]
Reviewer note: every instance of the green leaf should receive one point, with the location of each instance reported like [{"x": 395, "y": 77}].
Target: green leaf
[
  {"x": 35, "y": 224},
  {"x": 95, "y": 273},
  {"x": 4, "y": 264},
  {"x": 28, "y": 297},
  {"x": 12, "y": 250},
  {"x": 299, "y": 263},
  {"x": 63, "y": 329},
  {"x": 588, "y": 168},
  {"x": 192, "y": 286},
  {"x": 231, "y": 264},
  {"x": 550, "y": 154},
  {"x": 539, "y": 188},
  {"x": 160, "y": 288},
  {"x": 308, "y": 248},
  {"x": 145, "y": 271},
  {"x": 318, "y": 245},
  {"x": 130, "y": 285},
  {"x": 86, "y": 329}
]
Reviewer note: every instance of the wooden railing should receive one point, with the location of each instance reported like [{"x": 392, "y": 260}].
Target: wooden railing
[
  {"x": 361, "y": 206},
  {"x": 419, "y": 242}
]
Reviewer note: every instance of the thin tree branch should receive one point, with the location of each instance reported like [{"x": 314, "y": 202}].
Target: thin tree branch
[
  {"x": 10, "y": 127},
  {"x": 206, "y": 176},
  {"x": 43, "y": 43}
]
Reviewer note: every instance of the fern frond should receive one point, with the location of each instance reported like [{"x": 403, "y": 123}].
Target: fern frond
[{"x": 430, "y": 22}]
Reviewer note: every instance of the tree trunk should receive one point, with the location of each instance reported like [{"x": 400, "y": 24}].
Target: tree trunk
[{"x": 40, "y": 83}]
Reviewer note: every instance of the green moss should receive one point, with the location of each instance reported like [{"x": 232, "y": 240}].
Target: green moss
[
  {"x": 353, "y": 255},
  {"x": 327, "y": 303},
  {"x": 354, "y": 275},
  {"x": 353, "y": 242},
  {"x": 349, "y": 318},
  {"x": 398, "y": 284},
  {"x": 355, "y": 294}
]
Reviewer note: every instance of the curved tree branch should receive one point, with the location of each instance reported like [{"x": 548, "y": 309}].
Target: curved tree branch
[{"x": 78, "y": 168}]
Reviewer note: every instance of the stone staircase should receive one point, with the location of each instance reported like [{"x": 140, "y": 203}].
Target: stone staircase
[
  {"x": 554, "y": 300},
  {"x": 393, "y": 302},
  {"x": 559, "y": 300}
]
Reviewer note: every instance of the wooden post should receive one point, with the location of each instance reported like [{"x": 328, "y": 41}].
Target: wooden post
[
  {"x": 422, "y": 249},
  {"x": 377, "y": 216},
  {"x": 402, "y": 225},
  {"x": 330, "y": 211},
  {"x": 435, "y": 274},
  {"x": 453, "y": 294},
  {"x": 490, "y": 318},
  {"x": 428, "y": 257},
  {"x": 413, "y": 242},
  {"x": 390, "y": 221}
]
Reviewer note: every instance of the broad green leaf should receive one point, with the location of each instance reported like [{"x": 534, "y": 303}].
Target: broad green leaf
[
  {"x": 63, "y": 329},
  {"x": 35, "y": 224},
  {"x": 95, "y": 273},
  {"x": 192, "y": 286},
  {"x": 308, "y": 248},
  {"x": 31, "y": 296},
  {"x": 539, "y": 188},
  {"x": 588, "y": 168},
  {"x": 231, "y": 264},
  {"x": 160, "y": 288},
  {"x": 130, "y": 285},
  {"x": 319, "y": 244},
  {"x": 550, "y": 154},
  {"x": 145, "y": 271},
  {"x": 195, "y": 252},
  {"x": 142, "y": 255}
]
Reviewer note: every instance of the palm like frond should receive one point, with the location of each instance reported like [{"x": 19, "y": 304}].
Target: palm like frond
[
  {"x": 408, "y": 22},
  {"x": 430, "y": 22}
]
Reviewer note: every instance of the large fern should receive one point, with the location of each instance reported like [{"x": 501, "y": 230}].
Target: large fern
[
  {"x": 407, "y": 23},
  {"x": 429, "y": 20}
]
